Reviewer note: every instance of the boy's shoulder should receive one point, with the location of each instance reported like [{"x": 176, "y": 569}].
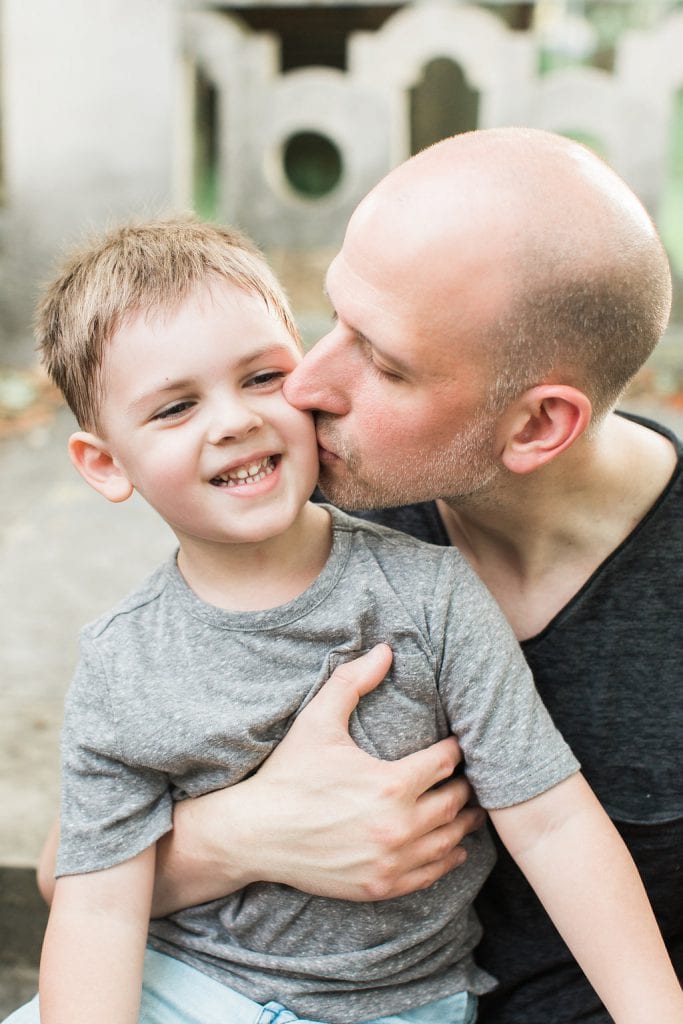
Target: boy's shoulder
[
  {"x": 382, "y": 534},
  {"x": 420, "y": 520},
  {"x": 139, "y": 601},
  {"x": 390, "y": 546}
]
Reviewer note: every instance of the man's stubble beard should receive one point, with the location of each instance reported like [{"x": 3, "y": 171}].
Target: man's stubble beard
[{"x": 462, "y": 470}]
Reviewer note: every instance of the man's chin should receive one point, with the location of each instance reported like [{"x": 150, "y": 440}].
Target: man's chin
[
  {"x": 341, "y": 493},
  {"x": 350, "y": 494}
]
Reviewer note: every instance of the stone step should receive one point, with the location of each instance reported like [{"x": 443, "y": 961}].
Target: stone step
[{"x": 23, "y": 917}]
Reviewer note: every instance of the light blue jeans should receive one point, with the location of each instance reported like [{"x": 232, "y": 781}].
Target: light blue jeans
[{"x": 174, "y": 993}]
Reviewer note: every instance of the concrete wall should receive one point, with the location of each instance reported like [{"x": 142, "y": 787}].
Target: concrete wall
[{"x": 88, "y": 103}]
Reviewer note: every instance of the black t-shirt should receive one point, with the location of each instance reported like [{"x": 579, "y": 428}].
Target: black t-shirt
[{"x": 610, "y": 669}]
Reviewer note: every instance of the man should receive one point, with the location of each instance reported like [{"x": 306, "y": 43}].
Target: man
[{"x": 493, "y": 296}]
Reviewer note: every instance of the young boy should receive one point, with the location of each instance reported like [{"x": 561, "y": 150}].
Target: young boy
[{"x": 171, "y": 342}]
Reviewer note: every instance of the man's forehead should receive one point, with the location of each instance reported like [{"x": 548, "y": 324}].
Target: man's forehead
[
  {"x": 363, "y": 298},
  {"x": 389, "y": 323},
  {"x": 455, "y": 277}
]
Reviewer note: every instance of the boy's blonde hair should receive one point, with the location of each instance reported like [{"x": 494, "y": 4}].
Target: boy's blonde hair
[{"x": 140, "y": 268}]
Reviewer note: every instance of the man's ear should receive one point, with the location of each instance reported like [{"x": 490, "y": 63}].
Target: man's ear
[
  {"x": 98, "y": 467},
  {"x": 541, "y": 424}
]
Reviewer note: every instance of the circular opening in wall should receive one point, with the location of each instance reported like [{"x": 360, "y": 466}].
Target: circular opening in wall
[{"x": 312, "y": 163}]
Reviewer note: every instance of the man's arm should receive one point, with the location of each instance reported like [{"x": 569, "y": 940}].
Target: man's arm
[
  {"x": 581, "y": 871},
  {"x": 93, "y": 953},
  {"x": 321, "y": 815}
]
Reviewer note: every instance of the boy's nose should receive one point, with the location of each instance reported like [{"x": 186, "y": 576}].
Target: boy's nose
[{"x": 231, "y": 422}]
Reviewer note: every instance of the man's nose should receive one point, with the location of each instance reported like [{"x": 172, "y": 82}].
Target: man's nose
[{"x": 318, "y": 381}]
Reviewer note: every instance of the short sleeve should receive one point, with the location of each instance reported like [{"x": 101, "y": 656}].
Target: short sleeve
[
  {"x": 511, "y": 746},
  {"x": 111, "y": 810}
]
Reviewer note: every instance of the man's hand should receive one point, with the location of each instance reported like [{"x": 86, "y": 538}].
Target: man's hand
[{"x": 323, "y": 816}]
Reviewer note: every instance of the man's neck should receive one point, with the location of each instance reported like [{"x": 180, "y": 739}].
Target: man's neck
[
  {"x": 257, "y": 576},
  {"x": 535, "y": 540}
]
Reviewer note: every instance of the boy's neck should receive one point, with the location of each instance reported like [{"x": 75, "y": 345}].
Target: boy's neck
[{"x": 257, "y": 576}]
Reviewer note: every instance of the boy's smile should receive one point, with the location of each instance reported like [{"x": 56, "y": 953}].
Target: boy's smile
[
  {"x": 244, "y": 475},
  {"x": 195, "y": 419}
]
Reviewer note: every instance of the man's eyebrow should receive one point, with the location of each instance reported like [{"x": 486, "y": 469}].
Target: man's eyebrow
[{"x": 391, "y": 360}]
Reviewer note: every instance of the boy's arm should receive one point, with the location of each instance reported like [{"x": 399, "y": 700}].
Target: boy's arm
[
  {"x": 583, "y": 874},
  {"x": 45, "y": 874},
  {"x": 92, "y": 962}
]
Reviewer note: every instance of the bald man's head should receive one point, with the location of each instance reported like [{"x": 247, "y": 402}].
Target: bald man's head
[{"x": 531, "y": 248}]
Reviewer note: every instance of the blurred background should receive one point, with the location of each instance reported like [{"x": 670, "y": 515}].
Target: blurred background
[{"x": 277, "y": 117}]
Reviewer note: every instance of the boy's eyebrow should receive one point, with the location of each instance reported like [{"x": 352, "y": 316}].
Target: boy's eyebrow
[
  {"x": 156, "y": 392},
  {"x": 187, "y": 382},
  {"x": 262, "y": 353}
]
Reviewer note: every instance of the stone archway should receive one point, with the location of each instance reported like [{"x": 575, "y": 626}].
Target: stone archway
[{"x": 442, "y": 103}]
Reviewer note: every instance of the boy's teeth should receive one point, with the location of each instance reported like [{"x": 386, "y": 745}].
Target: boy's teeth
[
  {"x": 242, "y": 472},
  {"x": 250, "y": 473}
]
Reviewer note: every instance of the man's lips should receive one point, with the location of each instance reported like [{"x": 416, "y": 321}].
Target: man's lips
[
  {"x": 326, "y": 452},
  {"x": 325, "y": 456}
]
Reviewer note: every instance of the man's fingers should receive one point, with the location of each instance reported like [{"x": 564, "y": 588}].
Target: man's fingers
[
  {"x": 431, "y": 856},
  {"x": 441, "y": 806},
  {"x": 441, "y": 840},
  {"x": 427, "y": 874},
  {"x": 425, "y": 768},
  {"x": 340, "y": 695}
]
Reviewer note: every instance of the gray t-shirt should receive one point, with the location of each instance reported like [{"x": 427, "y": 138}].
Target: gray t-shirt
[{"x": 174, "y": 698}]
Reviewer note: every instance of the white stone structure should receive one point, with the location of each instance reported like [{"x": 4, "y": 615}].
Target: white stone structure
[
  {"x": 259, "y": 110},
  {"x": 497, "y": 62},
  {"x": 649, "y": 71},
  {"x": 364, "y": 110},
  {"x": 100, "y": 102}
]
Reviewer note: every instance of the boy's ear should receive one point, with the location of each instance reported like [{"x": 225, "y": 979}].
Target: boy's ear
[
  {"x": 541, "y": 424},
  {"x": 98, "y": 467}
]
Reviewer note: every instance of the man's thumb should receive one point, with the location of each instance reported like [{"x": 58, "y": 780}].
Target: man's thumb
[{"x": 340, "y": 695}]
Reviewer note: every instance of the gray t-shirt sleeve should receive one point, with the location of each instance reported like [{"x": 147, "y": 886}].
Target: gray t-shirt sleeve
[
  {"x": 511, "y": 746},
  {"x": 111, "y": 810}
]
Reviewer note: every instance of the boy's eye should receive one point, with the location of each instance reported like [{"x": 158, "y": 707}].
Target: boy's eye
[
  {"x": 171, "y": 411},
  {"x": 262, "y": 380}
]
